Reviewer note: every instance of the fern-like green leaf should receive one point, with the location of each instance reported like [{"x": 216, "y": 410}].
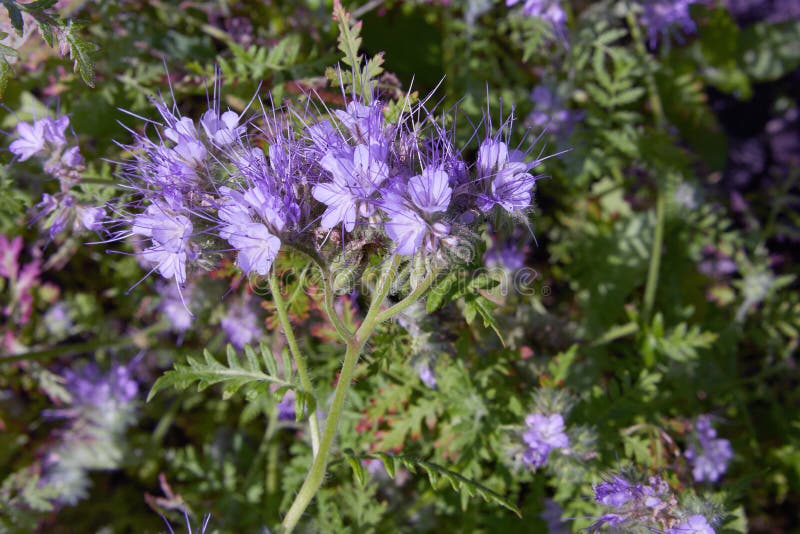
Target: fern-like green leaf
[
  {"x": 235, "y": 374},
  {"x": 436, "y": 475}
]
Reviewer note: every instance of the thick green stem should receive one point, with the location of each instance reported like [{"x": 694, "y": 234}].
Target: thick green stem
[
  {"x": 299, "y": 361},
  {"x": 355, "y": 344}
]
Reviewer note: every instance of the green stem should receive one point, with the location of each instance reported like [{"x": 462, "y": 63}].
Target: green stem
[
  {"x": 660, "y": 118},
  {"x": 410, "y": 299},
  {"x": 655, "y": 261},
  {"x": 299, "y": 361},
  {"x": 77, "y": 348},
  {"x": 355, "y": 344}
]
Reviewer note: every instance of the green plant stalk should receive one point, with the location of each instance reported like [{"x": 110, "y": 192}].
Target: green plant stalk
[
  {"x": 299, "y": 361},
  {"x": 355, "y": 345},
  {"x": 655, "y": 260},
  {"x": 658, "y": 234},
  {"x": 410, "y": 299}
]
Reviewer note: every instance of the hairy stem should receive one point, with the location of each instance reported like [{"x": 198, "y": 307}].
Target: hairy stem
[
  {"x": 410, "y": 299},
  {"x": 355, "y": 345},
  {"x": 299, "y": 361}
]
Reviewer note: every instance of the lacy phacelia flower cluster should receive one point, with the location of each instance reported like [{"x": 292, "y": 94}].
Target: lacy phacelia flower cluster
[
  {"x": 100, "y": 410},
  {"x": 708, "y": 455},
  {"x": 645, "y": 507},
  {"x": 46, "y": 138},
  {"x": 252, "y": 186},
  {"x": 544, "y": 434},
  {"x": 662, "y": 17}
]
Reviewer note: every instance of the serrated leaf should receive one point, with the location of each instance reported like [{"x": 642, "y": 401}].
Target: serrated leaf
[
  {"x": 208, "y": 371},
  {"x": 14, "y": 15},
  {"x": 80, "y": 51},
  {"x": 436, "y": 473}
]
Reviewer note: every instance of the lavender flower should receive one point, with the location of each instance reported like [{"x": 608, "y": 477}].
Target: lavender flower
[
  {"x": 695, "y": 524},
  {"x": 30, "y": 142},
  {"x": 246, "y": 215},
  {"x": 174, "y": 307},
  {"x": 660, "y": 17},
  {"x": 356, "y": 176},
  {"x": 412, "y": 215},
  {"x": 241, "y": 325},
  {"x": 506, "y": 175},
  {"x": 169, "y": 234},
  {"x": 634, "y": 504},
  {"x": 426, "y": 374},
  {"x": 505, "y": 254},
  {"x": 99, "y": 412},
  {"x": 708, "y": 455},
  {"x": 34, "y": 138},
  {"x": 286, "y": 406},
  {"x": 544, "y": 433},
  {"x": 547, "y": 10}
]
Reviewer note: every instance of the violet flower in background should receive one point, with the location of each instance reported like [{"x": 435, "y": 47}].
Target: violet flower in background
[
  {"x": 426, "y": 374},
  {"x": 174, "y": 306},
  {"x": 661, "y": 18},
  {"x": 505, "y": 254},
  {"x": 286, "y": 406},
  {"x": 550, "y": 112},
  {"x": 241, "y": 325},
  {"x": 634, "y": 504},
  {"x": 547, "y": 10},
  {"x": 101, "y": 409},
  {"x": 544, "y": 434},
  {"x": 708, "y": 455},
  {"x": 694, "y": 524}
]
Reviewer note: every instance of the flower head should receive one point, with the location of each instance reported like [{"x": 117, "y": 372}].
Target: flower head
[
  {"x": 660, "y": 17},
  {"x": 708, "y": 455},
  {"x": 504, "y": 173},
  {"x": 30, "y": 142},
  {"x": 413, "y": 210},
  {"x": 169, "y": 234},
  {"x": 544, "y": 433},
  {"x": 694, "y": 524}
]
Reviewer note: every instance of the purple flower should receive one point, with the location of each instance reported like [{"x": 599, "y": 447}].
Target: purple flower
[
  {"x": 694, "y": 524},
  {"x": 169, "y": 234},
  {"x": 223, "y": 129},
  {"x": 661, "y": 16},
  {"x": 54, "y": 130},
  {"x": 91, "y": 218},
  {"x": 173, "y": 306},
  {"x": 31, "y": 140},
  {"x": 245, "y": 215},
  {"x": 241, "y": 325},
  {"x": 544, "y": 433},
  {"x": 356, "y": 176},
  {"x": 426, "y": 374},
  {"x": 505, "y": 254},
  {"x": 411, "y": 215},
  {"x": 708, "y": 455},
  {"x": 286, "y": 406},
  {"x": 634, "y": 504},
  {"x": 616, "y": 492},
  {"x": 506, "y": 175},
  {"x": 547, "y": 10},
  {"x": 90, "y": 388},
  {"x": 365, "y": 123}
]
